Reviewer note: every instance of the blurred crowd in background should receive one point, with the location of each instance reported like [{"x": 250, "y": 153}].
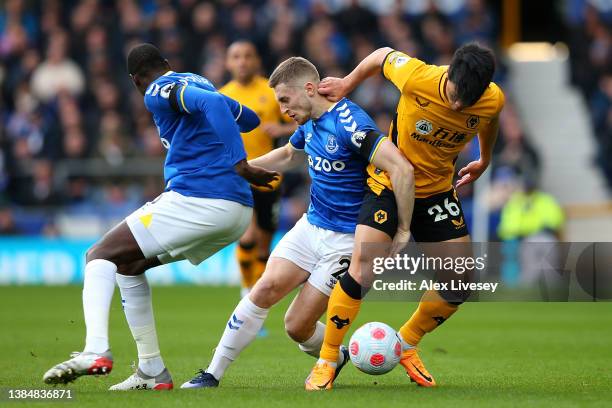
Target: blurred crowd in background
[
  {"x": 590, "y": 41},
  {"x": 76, "y": 140}
]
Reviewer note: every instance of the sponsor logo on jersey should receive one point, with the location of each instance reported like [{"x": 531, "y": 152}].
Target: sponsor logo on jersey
[
  {"x": 442, "y": 137},
  {"x": 357, "y": 138},
  {"x": 424, "y": 127},
  {"x": 325, "y": 165},
  {"x": 332, "y": 144}
]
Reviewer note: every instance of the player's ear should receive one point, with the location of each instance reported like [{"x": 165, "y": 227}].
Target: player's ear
[
  {"x": 310, "y": 89},
  {"x": 136, "y": 80}
]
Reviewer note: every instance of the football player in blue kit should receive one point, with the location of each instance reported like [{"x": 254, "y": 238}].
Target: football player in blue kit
[
  {"x": 338, "y": 140},
  {"x": 206, "y": 205}
]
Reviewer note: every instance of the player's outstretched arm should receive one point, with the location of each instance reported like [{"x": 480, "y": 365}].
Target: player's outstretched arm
[
  {"x": 280, "y": 159},
  {"x": 486, "y": 138},
  {"x": 276, "y": 130},
  {"x": 221, "y": 119},
  {"x": 255, "y": 175},
  {"x": 337, "y": 88},
  {"x": 246, "y": 119},
  {"x": 400, "y": 170}
]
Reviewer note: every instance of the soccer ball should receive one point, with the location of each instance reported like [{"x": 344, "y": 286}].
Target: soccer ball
[{"x": 375, "y": 348}]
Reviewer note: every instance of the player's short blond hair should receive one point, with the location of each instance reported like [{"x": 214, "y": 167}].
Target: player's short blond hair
[{"x": 294, "y": 69}]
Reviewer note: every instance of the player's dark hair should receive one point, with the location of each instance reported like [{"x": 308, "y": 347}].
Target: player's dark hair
[
  {"x": 145, "y": 58},
  {"x": 246, "y": 41},
  {"x": 471, "y": 70},
  {"x": 291, "y": 69}
]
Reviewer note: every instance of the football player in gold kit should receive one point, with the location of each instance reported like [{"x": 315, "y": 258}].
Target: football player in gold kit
[
  {"x": 441, "y": 108},
  {"x": 252, "y": 90}
]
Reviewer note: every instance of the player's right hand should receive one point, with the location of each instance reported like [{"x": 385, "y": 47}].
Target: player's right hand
[
  {"x": 400, "y": 240},
  {"x": 333, "y": 88},
  {"x": 258, "y": 176}
]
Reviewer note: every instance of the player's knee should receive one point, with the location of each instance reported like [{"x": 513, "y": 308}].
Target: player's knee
[
  {"x": 96, "y": 251},
  {"x": 102, "y": 250},
  {"x": 248, "y": 239},
  {"x": 129, "y": 269},
  {"x": 296, "y": 329},
  {"x": 361, "y": 269},
  {"x": 265, "y": 293}
]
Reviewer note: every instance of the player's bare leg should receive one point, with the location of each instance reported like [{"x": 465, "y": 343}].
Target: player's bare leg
[
  {"x": 252, "y": 254},
  {"x": 345, "y": 302},
  {"x": 303, "y": 326},
  {"x": 264, "y": 240},
  {"x": 280, "y": 278},
  {"x": 432, "y": 311},
  {"x": 117, "y": 247},
  {"x": 246, "y": 254}
]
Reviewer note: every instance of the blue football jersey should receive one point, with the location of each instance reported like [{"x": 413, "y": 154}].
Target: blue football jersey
[
  {"x": 337, "y": 163},
  {"x": 197, "y": 126}
]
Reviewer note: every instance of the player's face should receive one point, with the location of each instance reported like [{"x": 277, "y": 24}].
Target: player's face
[
  {"x": 451, "y": 92},
  {"x": 293, "y": 101},
  {"x": 242, "y": 61}
]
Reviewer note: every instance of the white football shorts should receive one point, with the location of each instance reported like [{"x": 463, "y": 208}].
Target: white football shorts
[
  {"x": 174, "y": 227},
  {"x": 325, "y": 254}
]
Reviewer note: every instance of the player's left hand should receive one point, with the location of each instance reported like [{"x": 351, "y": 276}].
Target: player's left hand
[
  {"x": 333, "y": 88},
  {"x": 471, "y": 172},
  {"x": 258, "y": 176},
  {"x": 400, "y": 240}
]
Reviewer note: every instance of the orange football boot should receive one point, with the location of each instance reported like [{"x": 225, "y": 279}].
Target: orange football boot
[
  {"x": 415, "y": 369},
  {"x": 320, "y": 378}
]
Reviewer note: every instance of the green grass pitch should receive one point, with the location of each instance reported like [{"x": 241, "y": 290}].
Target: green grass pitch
[{"x": 488, "y": 354}]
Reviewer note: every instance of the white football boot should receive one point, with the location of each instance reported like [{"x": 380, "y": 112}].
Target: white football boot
[
  {"x": 141, "y": 381},
  {"x": 81, "y": 363}
]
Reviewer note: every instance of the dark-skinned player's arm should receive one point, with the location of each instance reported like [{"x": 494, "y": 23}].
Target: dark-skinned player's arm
[
  {"x": 401, "y": 173},
  {"x": 337, "y": 88},
  {"x": 486, "y": 139}
]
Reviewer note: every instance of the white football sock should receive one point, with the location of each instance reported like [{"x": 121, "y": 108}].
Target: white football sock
[
  {"x": 138, "y": 309},
  {"x": 242, "y": 328},
  {"x": 98, "y": 288},
  {"x": 244, "y": 292},
  {"x": 312, "y": 346}
]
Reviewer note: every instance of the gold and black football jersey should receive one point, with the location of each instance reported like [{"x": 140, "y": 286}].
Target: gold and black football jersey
[{"x": 425, "y": 128}]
